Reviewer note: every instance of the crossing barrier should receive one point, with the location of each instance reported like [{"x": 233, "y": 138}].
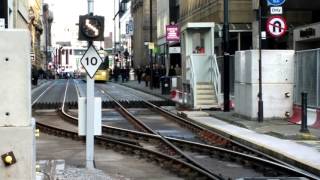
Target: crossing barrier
[{"x": 313, "y": 116}]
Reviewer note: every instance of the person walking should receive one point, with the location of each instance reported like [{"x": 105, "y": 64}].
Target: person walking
[
  {"x": 156, "y": 76},
  {"x": 123, "y": 74},
  {"x": 139, "y": 73},
  {"x": 172, "y": 71},
  {"x": 148, "y": 75},
  {"x": 178, "y": 70}
]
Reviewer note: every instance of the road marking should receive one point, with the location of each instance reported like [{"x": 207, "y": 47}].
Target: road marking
[{"x": 43, "y": 93}]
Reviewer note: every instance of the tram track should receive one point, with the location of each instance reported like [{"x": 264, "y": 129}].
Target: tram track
[
  {"x": 175, "y": 165},
  {"x": 144, "y": 144},
  {"x": 206, "y": 149},
  {"x": 203, "y": 134}
]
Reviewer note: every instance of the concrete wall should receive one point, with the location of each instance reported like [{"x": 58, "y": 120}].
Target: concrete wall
[
  {"x": 277, "y": 79},
  {"x": 16, "y": 128}
]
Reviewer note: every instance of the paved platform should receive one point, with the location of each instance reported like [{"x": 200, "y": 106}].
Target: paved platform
[{"x": 279, "y": 138}]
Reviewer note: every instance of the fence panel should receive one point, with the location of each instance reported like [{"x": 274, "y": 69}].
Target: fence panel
[
  {"x": 307, "y": 76},
  {"x": 231, "y": 70}
]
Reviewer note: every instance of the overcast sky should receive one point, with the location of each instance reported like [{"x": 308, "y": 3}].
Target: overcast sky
[{"x": 66, "y": 15}]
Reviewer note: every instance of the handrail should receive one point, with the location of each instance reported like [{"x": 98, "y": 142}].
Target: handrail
[
  {"x": 193, "y": 81},
  {"x": 215, "y": 77}
]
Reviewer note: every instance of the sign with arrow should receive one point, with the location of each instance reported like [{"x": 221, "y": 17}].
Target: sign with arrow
[
  {"x": 276, "y": 26},
  {"x": 91, "y": 61}
]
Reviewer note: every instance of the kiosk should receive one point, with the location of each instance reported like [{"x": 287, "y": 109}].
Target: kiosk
[{"x": 200, "y": 72}]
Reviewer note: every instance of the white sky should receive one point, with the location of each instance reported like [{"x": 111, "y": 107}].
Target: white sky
[{"x": 66, "y": 15}]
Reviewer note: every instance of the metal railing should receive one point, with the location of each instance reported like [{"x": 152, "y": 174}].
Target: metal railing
[
  {"x": 215, "y": 77},
  {"x": 307, "y": 76},
  {"x": 193, "y": 81},
  {"x": 231, "y": 70}
]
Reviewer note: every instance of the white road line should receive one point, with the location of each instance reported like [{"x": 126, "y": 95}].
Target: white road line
[
  {"x": 77, "y": 88},
  {"x": 42, "y": 93},
  {"x": 64, "y": 98}
]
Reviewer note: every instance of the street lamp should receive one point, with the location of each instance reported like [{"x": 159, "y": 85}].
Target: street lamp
[
  {"x": 151, "y": 63},
  {"x": 260, "y": 102},
  {"x": 226, "y": 57}
]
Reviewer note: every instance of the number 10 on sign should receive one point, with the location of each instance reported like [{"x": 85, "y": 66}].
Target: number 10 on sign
[{"x": 91, "y": 61}]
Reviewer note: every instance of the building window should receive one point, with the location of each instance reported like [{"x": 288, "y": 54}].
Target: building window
[{"x": 198, "y": 45}]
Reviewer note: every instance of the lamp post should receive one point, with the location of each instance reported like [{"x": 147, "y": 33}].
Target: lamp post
[
  {"x": 260, "y": 101},
  {"x": 226, "y": 57},
  {"x": 46, "y": 23},
  {"x": 151, "y": 61}
]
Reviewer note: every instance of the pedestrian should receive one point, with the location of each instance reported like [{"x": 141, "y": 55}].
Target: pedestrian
[
  {"x": 127, "y": 73},
  {"x": 123, "y": 74},
  {"x": 139, "y": 73},
  {"x": 116, "y": 74},
  {"x": 35, "y": 76},
  {"x": 178, "y": 70},
  {"x": 156, "y": 76},
  {"x": 147, "y": 75},
  {"x": 162, "y": 71},
  {"x": 172, "y": 71}
]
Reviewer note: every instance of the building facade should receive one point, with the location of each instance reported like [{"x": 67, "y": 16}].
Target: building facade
[
  {"x": 126, "y": 32},
  {"x": 240, "y": 18},
  {"x": 25, "y": 14},
  {"x": 140, "y": 10},
  {"x": 167, "y": 14},
  {"x": 46, "y": 43}
]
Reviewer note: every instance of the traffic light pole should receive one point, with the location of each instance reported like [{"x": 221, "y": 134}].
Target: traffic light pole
[{"x": 90, "y": 111}]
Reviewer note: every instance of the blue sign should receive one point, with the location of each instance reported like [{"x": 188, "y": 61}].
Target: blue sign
[{"x": 275, "y": 2}]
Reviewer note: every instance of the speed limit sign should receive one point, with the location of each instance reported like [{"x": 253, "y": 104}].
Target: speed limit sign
[{"x": 91, "y": 61}]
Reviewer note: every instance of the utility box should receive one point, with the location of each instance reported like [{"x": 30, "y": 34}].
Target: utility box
[
  {"x": 277, "y": 82},
  {"x": 17, "y": 148}
]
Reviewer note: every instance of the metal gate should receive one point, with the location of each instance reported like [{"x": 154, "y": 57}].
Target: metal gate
[{"x": 307, "y": 77}]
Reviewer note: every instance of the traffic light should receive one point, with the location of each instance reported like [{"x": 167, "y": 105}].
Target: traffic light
[{"x": 91, "y": 28}]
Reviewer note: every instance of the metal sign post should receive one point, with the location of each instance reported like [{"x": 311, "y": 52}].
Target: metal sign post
[
  {"x": 91, "y": 62},
  {"x": 90, "y": 111},
  {"x": 260, "y": 101},
  {"x": 91, "y": 29}
]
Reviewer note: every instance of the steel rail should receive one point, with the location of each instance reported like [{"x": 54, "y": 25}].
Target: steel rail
[
  {"x": 212, "y": 137},
  {"x": 150, "y": 130},
  {"x": 202, "y": 147},
  {"x": 123, "y": 142}
]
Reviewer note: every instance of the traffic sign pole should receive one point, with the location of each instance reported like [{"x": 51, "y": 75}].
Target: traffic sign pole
[
  {"x": 90, "y": 111},
  {"x": 89, "y": 124},
  {"x": 260, "y": 101},
  {"x": 91, "y": 62}
]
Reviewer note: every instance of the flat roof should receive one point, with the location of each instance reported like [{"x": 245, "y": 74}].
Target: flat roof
[{"x": 198, "y": 25}]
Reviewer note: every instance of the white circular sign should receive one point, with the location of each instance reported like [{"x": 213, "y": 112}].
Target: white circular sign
[{"x": 276, "y": 26}]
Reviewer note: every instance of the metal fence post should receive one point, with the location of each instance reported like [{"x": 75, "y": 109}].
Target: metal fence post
[
  {"x": 318, "y": 78},
  {"x": 304, "y": 117}
]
